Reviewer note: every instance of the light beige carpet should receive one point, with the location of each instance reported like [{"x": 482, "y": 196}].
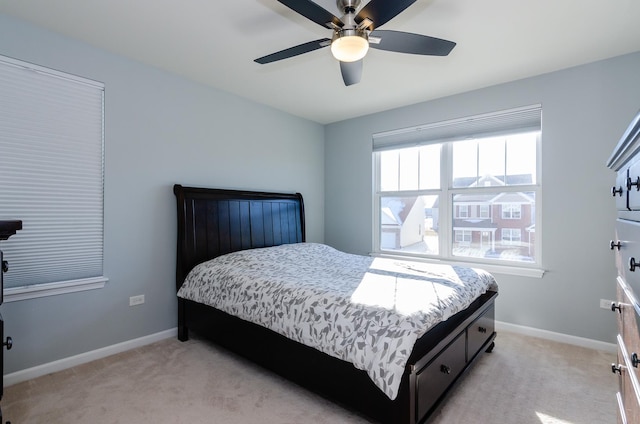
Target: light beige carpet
[{"x": 524, "y": 381}]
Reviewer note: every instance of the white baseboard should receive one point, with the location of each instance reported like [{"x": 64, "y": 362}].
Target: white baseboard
[
  {"x": 83, "y": 358},
  {"x": 65, "y": 363},
  {"x": 556, "y": 337}
]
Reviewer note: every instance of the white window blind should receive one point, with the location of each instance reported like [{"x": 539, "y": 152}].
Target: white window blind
[
  {"x": 51, "y": 174},
  {"x": 514, "y": 121}
]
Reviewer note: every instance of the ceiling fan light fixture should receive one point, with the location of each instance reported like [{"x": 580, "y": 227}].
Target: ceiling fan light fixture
[{"x": 349, "y": 45}]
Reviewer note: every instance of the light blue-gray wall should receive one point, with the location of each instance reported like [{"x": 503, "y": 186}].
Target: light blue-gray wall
[
  {"x": 160, "y": 129},
  {"x": 585, "y": 110}
]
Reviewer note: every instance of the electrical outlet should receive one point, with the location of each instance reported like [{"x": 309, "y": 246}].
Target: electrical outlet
[
  {"x": 605, "y": 304},
  {"x": 136, "y": 300}
]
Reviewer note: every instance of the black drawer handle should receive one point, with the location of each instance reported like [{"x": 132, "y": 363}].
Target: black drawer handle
[
  {"x": 617, "y": 244},
  {"x": 631, "y": 183},
  {"x": 615, "y": 306},
  {"x": 615, "y": 190},
  {"x": 635, "y": 360},
  {"x": 616, "y": 368},
  {"x": 5, "y": 266},
  {"x": 8, "y": 343},
  {"x": 482, "y": 329},
  {"x": 445, "y": 369},
  {"x": 633, "y": 264}
]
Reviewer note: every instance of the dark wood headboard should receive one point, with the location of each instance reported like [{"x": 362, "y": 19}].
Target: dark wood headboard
[{"x": 213, "y": 222}]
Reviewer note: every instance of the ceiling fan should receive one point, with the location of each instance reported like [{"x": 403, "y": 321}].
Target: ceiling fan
[{"x": 354, "y": 33}]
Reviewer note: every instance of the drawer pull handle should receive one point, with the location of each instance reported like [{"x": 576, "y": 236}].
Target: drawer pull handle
[
  {"x": 8, "y": 343},
  {"x": 631, "y": 183},
  {"x": 615, "y": 306},
  {"x": 617, "y": 244},
  {"x": 447, "y": 370},
  {"x": 635, "y": 360},
  {"x": 633, "y": 264},
  {"x": 482, "y": 329},
  {"x": 615, "y": 190},
  {"x": 616, "y": 368}
]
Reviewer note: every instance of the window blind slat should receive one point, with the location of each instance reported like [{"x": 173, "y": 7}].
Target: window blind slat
[{"x": 51, "y": 173}]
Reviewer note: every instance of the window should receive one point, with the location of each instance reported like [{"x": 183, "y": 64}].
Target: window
[
  {"x": 463, "y": 211},
  {"x": 512, "y": 211},
  {"x": 462, "y": 236},
  {"x": 511, "y": 235},
  {"x": 484, "y": 211},
  {"x": 51, "y": 178},
  {"x": 470, "y": 185}
]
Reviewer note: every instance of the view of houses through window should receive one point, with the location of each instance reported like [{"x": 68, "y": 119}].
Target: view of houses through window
[{"x": 462, "y": 199}]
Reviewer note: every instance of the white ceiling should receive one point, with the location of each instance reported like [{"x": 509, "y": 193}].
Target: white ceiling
[{"x": 214, "y": 42}]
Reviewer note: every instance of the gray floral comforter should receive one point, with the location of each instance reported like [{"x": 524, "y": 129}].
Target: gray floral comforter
[{"x": 368, "y": 311}]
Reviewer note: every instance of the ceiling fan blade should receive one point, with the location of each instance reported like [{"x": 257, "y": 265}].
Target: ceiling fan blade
[
  {"x": 382, "y": 11},
  {"x": 312, "y": 11},
  {"x": 351, "y": 72},
  {"x": 294, "y": 51},
  {"x": 406, "y": 42}
]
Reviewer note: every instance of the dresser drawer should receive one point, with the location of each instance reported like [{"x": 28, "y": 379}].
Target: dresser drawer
[
  {"x": 628, "y": 254},
  {"x": 479, "y": 332},
  {"x": 436, "y": 377},
  {"x": 628, "y": 387},
  {"x": 620, "y": 192},
  {"x": 629, "y": 325},
  {"x": 633, "y": 186}
]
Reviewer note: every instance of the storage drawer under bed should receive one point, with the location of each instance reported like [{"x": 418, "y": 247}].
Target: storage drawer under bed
[
  {"x": 436, "y": 377},
  {"x": 479, "y": 332}
]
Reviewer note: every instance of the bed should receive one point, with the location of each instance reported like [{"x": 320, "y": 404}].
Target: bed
[{"x": 222, "y": 226}]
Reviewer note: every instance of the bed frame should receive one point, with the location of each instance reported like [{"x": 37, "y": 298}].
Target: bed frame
[{"x": 213, "y": 222}]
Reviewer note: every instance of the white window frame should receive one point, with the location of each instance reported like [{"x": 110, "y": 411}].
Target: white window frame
[
  {"x": 511, "y": 211},
  {"x": 397, "y": 139},
  {"x": 462, "y": 236},
  {"x": 509, "y": 233},
  {"x": 484, "y": 211},
  {"x": 53, "y": 180},
  {"x": 462, "y": 212}
]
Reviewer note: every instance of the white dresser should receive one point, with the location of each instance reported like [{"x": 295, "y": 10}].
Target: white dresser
[{"x": 625, "y": 161}]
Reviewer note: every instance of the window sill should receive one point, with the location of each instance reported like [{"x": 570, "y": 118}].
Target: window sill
[
  {"x": 520, "y": 271},
  {"x": 14, "y": 294}
]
